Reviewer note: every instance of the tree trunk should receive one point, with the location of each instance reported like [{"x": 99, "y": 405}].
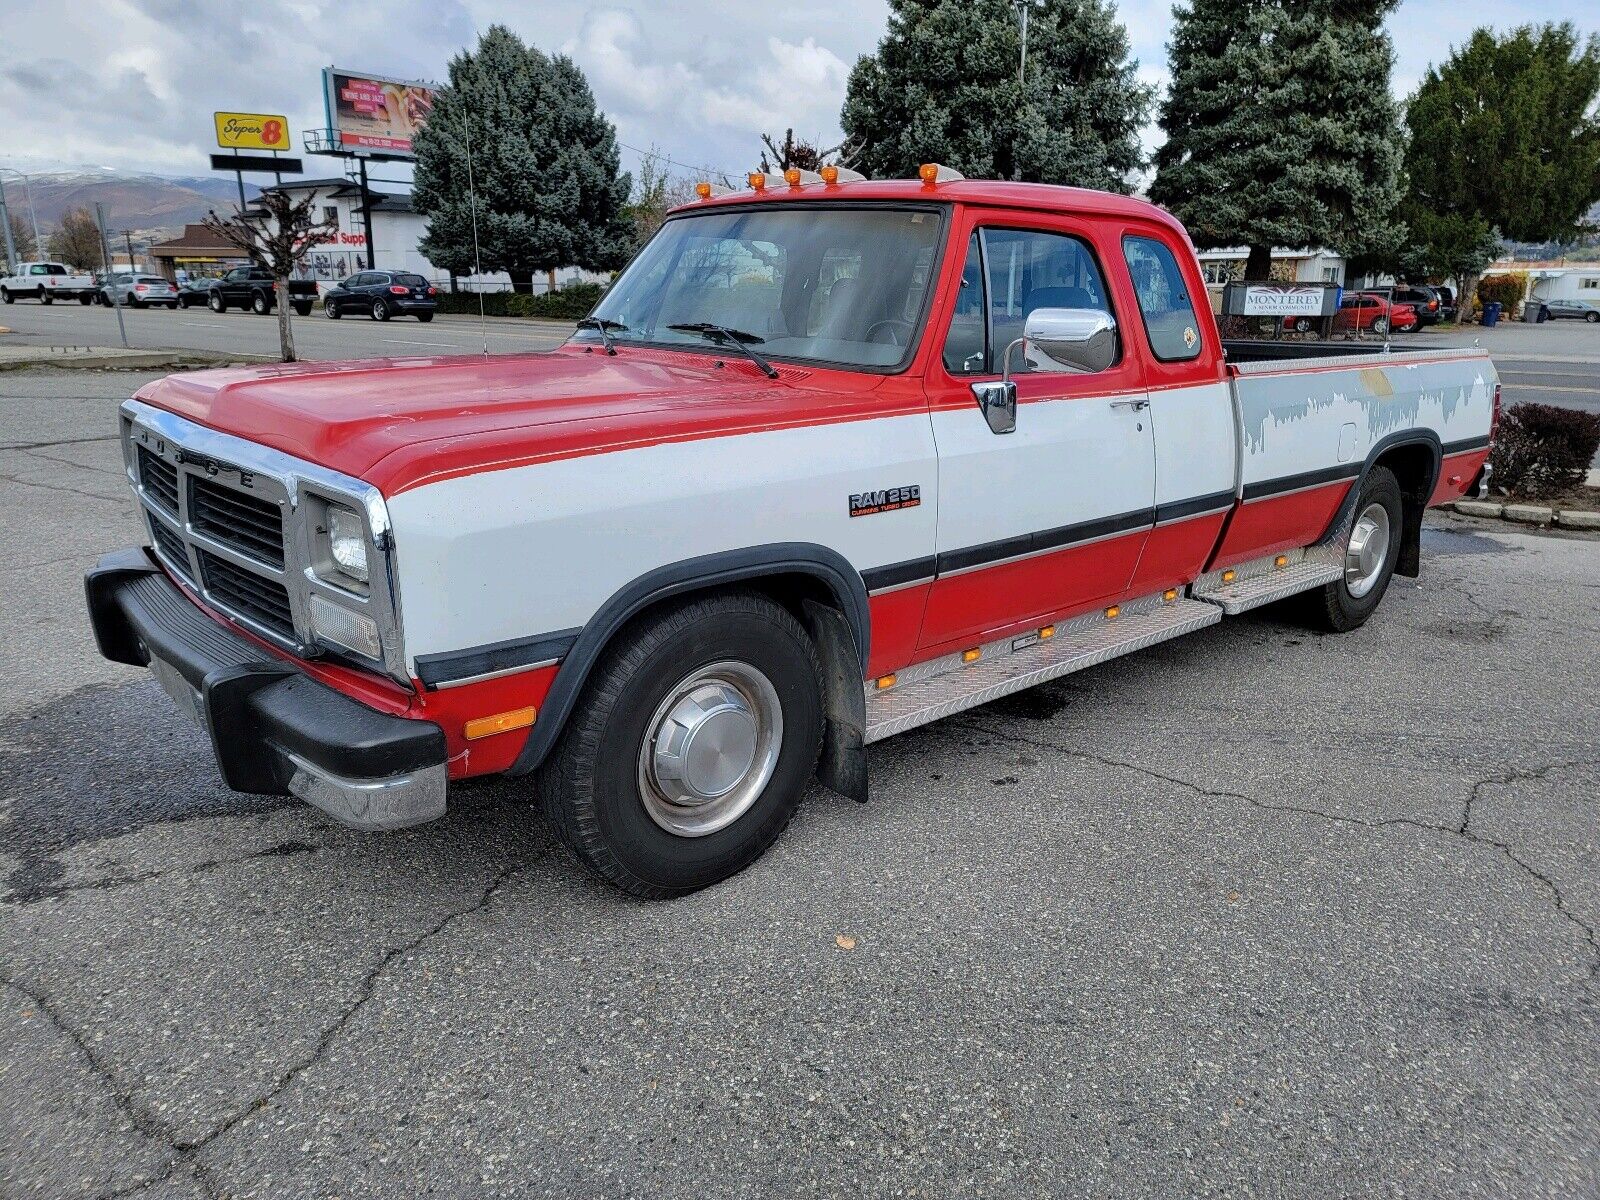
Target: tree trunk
[
  {"x": 280, "y": 289},
  {"x": 550, "y": 279},
  {"x": 1259, "y": 264},
  {"x": 521, "y": 281},
  {"x": 1466, "y": 296}
]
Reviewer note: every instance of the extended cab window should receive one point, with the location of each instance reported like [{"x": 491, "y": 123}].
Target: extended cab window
[
  {"x": 821, "y": 283},
  {"x": 1007, "y": 275},
  {"x": 1164, "y": 303}
]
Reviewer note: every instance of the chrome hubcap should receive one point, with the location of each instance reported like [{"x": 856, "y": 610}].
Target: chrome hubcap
[
  {"x": 710, "y": 748},
  {"x": 1368, "y": 549}
]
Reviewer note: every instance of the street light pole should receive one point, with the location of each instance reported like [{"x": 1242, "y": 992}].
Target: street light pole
[
  {"x": 5, "y": 220},
  {"x": 1023, "y": 7}
]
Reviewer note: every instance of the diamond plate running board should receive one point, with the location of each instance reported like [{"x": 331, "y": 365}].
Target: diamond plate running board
[
  {"x": 1262, "y": 581},
  {"x": 949, "y": 685}
]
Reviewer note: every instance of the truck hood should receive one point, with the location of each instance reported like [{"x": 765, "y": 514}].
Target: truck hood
[{"x": 399, "y": 423}]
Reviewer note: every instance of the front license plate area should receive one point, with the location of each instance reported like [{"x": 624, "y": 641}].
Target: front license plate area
[{"x": 183, "y": 693}]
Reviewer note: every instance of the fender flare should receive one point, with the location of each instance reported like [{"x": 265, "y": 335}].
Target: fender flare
[
  {"x": 675, "y": 579},
  {"x": 1411, "y": 534}
]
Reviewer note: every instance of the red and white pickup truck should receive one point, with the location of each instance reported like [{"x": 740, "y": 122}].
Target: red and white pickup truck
[{"x": 830, "y": 460}]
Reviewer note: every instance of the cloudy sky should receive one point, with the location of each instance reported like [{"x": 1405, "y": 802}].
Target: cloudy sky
[{"x": 131, "y": 84}]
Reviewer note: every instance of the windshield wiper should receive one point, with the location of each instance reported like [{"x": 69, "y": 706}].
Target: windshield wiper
[
  {"x": 737, "y": 338},
  {"x": 604, "y": 328}
]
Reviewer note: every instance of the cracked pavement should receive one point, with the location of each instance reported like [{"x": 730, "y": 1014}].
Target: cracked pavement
[{"x": 1255, "y": 911}]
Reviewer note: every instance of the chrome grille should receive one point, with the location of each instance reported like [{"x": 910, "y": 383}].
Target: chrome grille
[
  {"x": 160, "y": 479},
  {"x": 171, "y": 546},
  {"x": 262, "y": 600},
  {"x": 247, "y": 523}
]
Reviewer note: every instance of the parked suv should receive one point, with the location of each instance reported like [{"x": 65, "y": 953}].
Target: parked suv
[
  {"x": 137, "y": 291},
  {"x": 1426, "y": 300},
  {"x": 383, "y": 294}
]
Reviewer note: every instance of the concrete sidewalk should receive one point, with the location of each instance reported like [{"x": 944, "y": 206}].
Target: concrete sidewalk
[{"x": 114, "y": 358}]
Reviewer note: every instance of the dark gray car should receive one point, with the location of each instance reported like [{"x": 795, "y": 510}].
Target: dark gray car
[{"x": 1571, "y": 310}]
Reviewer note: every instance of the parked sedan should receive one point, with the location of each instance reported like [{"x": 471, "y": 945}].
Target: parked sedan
[
  {"x": 1367, "y": 312},
  {"x": 137, "y": 291},
  {"x": 195, "y": 293},
  {"x": 383, "y": 294},
  {"x": 1570, "y": 310}
]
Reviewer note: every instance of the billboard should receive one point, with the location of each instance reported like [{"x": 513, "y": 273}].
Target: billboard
[
  {"x": 252, "y": 131},
  {"x": 374, "y": 114}
]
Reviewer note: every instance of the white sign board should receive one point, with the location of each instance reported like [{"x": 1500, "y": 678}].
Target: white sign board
[{"x": 1282, "y": 300}]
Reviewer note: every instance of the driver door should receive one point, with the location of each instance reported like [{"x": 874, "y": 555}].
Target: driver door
[{"x": 1050, "y": 518}]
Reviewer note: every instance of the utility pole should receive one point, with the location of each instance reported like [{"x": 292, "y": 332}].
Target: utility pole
[
  {"x": 127, "y": 237},
  {"x": 1023, "y": 7},
  {"x": 105, "y": 251},
  {"x": 33, "y": 217},
  {"x": 5, "y": 220}
]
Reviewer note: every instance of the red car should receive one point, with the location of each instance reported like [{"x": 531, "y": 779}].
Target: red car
[{"x": 1370, "y": 312}]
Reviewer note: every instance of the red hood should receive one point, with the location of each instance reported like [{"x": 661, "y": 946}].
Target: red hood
[{"x": 398, "y": 423}]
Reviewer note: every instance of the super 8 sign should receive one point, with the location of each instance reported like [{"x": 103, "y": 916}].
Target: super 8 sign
[{"x": 252, "y": 131}]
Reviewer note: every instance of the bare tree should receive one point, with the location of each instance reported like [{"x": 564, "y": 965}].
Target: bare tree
[
  {"x": 656, "y": 191},
  {"x": 792, "y": 152},
  {"x": 277, "y": 234},
  {"x": 76, "y": 241}
]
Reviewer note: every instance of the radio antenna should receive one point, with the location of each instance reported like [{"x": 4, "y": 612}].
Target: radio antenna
[{"x": 477, "y": 256}]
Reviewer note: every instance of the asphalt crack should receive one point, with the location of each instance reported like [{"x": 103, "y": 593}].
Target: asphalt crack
[
  {"x": 53, "y": 891},
  {"x": 1464, "y": 831},
  {"x": 185, "y": 1153}
]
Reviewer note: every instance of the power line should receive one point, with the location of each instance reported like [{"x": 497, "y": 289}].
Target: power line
[{"x": 702, "y": 168}]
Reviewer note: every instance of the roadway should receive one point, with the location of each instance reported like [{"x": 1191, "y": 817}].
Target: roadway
[{"x": 1256, "y": 912}]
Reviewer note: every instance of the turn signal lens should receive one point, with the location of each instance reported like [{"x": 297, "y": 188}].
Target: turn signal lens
[
  {"x": 1229, "y": 576},
  {"x": 758, "y": 181},
  {"x": 703, "y": 190},
  {"x": 1048, "y": 632},
  {"x": 792, "y": 176},
  {"x": 885, "y": 681},
  {"x": 517, "y": 718},
  {"x": 972, "y": 655},
  {"x": 1113, "y": 612},
  {"x": 1281, "y": 561},
  {"x": 928, "y": 173},
  {"x": 1170, "y": 596},
  {"x": 830, "y": 174}
]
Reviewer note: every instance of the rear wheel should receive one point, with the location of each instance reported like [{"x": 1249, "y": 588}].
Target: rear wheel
[
  {"x": 303, "y": 310},
  {"x": 7, "y": 296},
  {"x": 1302, "y": 324},
  {"x": 260, "y": 305},
  {"x": 690, "y": 747},
  {"x": 1593, "y": 318},
  {"x": 380, "y": 310},
  {"x": 425, "y": 317},
  {"x": 45, "y": 297},
  {"x": 1381, "y": 325},
  {"x": 1369, "y": 557},
  {"x": 86, "y": 299}
]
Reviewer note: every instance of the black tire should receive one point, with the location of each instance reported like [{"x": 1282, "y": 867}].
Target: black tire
[
  {"x": 380, "y": 310},
  {"x": 590, "y": 786},
  {"x": 303, "y": 310},
  {"x": 45, "y": 297},
  {"x": 424, "y": 317},
  {"x": 1380, "y": 325},
  {"x": 1332, "y": 606},
  {"x": 1592, "y": 317},
  {"x": 86, "y": 300},
  {"x": 1302, "y": 324},
  {"x": 330, "y": 309},
  {"x": 7, "y": 296},
  {"x": 216, "y": 303},
  {"x": 259, "y": 304}
]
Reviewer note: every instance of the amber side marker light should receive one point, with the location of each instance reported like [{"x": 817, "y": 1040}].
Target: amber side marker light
[
  {"x": 1170, "y": 596},
  {"x": 885, "y": 681},
  {"x": 1281, "y": 561},
  {"x": 969, "y": 656},
  {"x": 517, "y": 718},
  {"x": 1048, "y": 632},
  {"x": 1229, "y": 576},
  {"x": 1113, "y": 612}
]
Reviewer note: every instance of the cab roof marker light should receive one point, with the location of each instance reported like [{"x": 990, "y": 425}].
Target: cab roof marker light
[
  {"x": 705, "y": 189},
  {"x": 932, "y": 173},
  {"x": 760, "y": 182},
  {"x": 833, "y": 175}
]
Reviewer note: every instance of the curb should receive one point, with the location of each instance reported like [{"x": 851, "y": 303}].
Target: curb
[
  {"x": 1539, "y": 515},
  {"x": 128, "y": 362}
]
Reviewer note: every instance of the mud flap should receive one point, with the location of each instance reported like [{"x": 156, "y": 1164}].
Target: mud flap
[{"x": 842, "y": 765}]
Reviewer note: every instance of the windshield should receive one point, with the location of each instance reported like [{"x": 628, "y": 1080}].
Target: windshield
[{"x": 833, "y": 285}]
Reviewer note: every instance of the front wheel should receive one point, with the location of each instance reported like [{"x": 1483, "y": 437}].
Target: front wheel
[
  {"x": 216, "y": 303},
  {"x": 330, "y": 310},
  {"x": 1381, "y": 325},
  {"x": 690, "y": 747},
  {"x": 1369, "y": 557},
  {"x": 1593, "y": 318}
]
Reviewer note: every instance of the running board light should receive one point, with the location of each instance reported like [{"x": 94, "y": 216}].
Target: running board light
[
  {"x": 1229, "y": 576},
  {"x": 885, "y": 682},
  {"x": 1281, "y": 561},
  {"x": 973, "y": 655}
]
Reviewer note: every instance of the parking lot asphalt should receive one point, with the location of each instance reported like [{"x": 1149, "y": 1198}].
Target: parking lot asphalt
[{"x": 1254, "y": 912}]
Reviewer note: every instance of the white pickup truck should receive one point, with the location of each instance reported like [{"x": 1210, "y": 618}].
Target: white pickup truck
[
  {"x": 46, "y": 282},
  {"x": 830, "y": 460}
]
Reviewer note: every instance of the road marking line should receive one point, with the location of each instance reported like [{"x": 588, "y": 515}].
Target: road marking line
[
  {"x": 1543, "y": 387},
  {"x": 408, "y": 342}
]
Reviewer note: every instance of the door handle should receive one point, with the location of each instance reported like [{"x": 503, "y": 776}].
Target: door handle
[{"x": 1136, "y": 403}]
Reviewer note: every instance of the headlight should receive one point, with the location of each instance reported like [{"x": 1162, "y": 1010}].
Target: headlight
[{"x": 347, "y": 542}]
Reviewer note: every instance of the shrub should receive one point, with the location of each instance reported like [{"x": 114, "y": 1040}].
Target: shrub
[
  {"x": 571, "y": 302},
  {"x": 494, "y": 303},
  {"x": 1506, "y": 289},
  {"x": 1542, "y": 451}
]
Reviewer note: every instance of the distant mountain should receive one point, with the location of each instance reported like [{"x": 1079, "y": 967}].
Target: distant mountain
[{"x": 149, "y": 205}]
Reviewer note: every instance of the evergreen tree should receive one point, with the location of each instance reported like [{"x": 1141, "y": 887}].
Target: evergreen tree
[
  {"x": 943, "y": 87},
  {"x": 544, "y": 166},
  {"x": 1281, "y": 130},
  {"x": 1503, "y": 137}
]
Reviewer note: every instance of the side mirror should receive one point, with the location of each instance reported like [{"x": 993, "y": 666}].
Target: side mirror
[
  {"x": 998, "y": 403},
  {"x": 1080, "y": 339}
]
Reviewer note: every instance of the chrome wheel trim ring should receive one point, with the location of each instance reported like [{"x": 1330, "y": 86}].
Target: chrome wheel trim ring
[
  {"x": 710, "y": 748},
  {"x": 1367, "y": 551}
]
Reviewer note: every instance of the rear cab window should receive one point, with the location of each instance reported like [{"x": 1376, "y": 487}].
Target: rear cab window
[
  {"x": 1168, "y": 313},
  {"x": 47, "y": 269}
]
